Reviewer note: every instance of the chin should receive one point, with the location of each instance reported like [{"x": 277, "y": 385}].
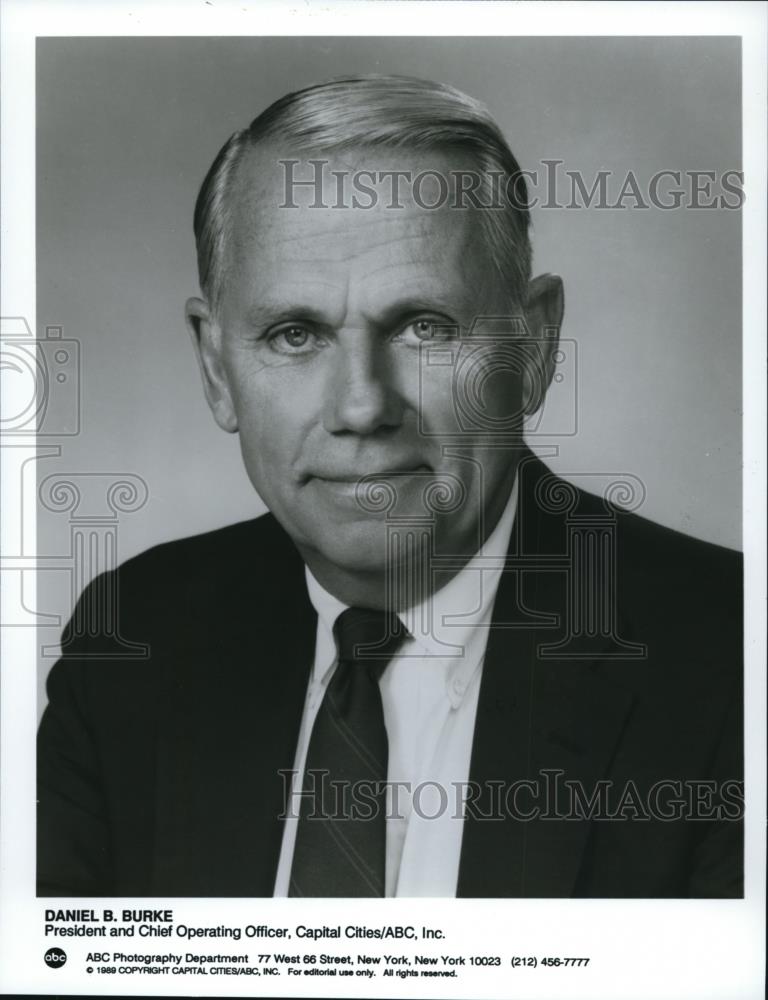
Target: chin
[
  {"x": 368, "y": 547},
  {"x": 356, "y": 548}
]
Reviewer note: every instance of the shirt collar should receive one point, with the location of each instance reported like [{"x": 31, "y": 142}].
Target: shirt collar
[{"x": 449, "y": 625}]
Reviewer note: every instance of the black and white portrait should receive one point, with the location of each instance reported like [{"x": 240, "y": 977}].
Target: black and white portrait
[{"x": 396, "y": 540}]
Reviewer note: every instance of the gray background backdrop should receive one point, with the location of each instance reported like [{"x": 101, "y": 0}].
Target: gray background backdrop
[{"x": 128, "y": 127}]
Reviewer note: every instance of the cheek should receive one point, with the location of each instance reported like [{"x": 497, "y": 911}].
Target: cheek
[
  {"x": 435, "y": 402},
  {"x": 478, "y": 392},
  {"x": 272, "y": 420},
  {"x": 487, "y": 393},
  {"x": 502, "y": 394}
]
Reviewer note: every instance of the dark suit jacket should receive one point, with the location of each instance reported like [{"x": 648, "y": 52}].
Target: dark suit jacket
[{"x": 159, "y": 776}]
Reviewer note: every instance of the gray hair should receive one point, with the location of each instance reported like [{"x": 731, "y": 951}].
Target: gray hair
[{"x": 395, "y": 112}]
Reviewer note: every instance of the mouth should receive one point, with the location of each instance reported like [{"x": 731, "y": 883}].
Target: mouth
[{"x": 349, "y": 478}]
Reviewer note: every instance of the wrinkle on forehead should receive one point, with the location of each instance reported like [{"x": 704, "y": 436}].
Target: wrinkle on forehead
[
  {"x": 325, "y": 248},
  {"x": 260, "y": 193}
]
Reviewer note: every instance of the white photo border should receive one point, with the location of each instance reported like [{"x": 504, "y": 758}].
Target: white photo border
[{"x": 640, "y": 948}]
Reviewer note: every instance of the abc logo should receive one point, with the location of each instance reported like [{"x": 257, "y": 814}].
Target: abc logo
[{"x": 55, "y": 958}]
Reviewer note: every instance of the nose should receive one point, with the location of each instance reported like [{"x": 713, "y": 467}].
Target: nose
[{"x": 361, "y": 395}]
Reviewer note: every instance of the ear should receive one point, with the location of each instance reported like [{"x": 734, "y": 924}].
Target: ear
[
  {"x": 544, "y": 316},
  {"x": 206, "y": 340}
]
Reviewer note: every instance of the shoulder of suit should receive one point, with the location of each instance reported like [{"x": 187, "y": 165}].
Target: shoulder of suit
[
  {"x": 254, "y": 555},
  {"x": 645, "y": 542},
  {"x": 655, "y": 545},
  {"x": 654, "y": 565},
  {"x": 666, "y": 544},
  {"x": 176, "y": 596}
]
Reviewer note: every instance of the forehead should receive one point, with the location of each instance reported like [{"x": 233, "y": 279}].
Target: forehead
[{"x": 370, "y": 228}]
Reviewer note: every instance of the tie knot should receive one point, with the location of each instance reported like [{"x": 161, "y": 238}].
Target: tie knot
[{"x": 367, "y": 635}]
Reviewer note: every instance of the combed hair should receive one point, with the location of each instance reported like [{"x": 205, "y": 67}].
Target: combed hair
[{"x": 394, "y": 112}]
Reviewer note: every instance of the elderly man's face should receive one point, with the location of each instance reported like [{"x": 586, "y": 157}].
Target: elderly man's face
[{"x": 317, "y": 358}]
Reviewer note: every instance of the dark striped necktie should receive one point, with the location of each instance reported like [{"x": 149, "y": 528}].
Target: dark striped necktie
[{"x": 341, "y": 837}]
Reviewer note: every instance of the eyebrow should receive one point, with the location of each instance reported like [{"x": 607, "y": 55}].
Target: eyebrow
[{"x": 267, "y": 314}]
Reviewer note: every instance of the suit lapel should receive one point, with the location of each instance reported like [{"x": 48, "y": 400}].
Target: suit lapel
[
  {"x": 536, "y": 717},
  {"x": 233, "y": 695}
]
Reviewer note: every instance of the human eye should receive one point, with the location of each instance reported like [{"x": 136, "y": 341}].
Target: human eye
[
  {"x": 294, "y": 338},
  {"x": 424, "y": 329}
]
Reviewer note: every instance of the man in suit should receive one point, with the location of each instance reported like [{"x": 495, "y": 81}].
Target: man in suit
[{"x": 433, "y": 668}]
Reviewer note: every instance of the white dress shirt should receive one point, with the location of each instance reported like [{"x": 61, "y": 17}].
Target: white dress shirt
[{"x": 429, "y": 692}]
